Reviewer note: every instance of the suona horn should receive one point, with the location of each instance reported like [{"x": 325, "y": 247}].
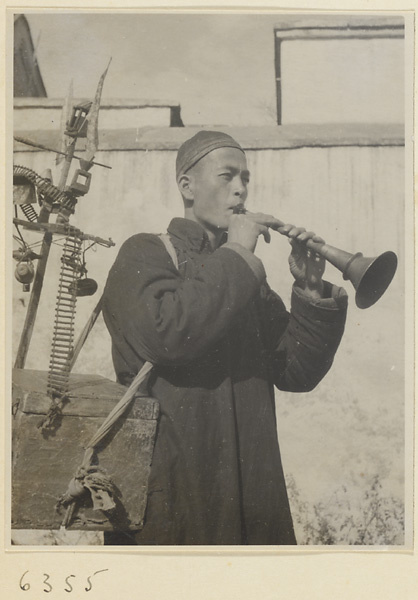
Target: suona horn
[{"x": 369, "y": 276}]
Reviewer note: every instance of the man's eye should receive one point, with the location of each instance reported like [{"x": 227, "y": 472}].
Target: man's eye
[{"x": 226, "y": 176}]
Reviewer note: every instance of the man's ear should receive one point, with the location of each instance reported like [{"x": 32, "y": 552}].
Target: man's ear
[{"x": 185, "y": 184}]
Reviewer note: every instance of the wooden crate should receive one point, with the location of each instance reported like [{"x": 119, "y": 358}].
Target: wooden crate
[{"x": 43, "y": 466}]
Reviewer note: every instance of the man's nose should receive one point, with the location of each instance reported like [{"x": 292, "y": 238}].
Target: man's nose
[{"x": 240, "y": 189}]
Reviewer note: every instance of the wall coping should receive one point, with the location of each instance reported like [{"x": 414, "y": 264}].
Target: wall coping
[
  {"x": 251, "y": 138},
  {"x": 106, "y": 103},
  {"x": 339, "y": 22}
]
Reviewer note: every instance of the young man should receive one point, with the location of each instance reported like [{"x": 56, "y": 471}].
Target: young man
[{"x": 220, "y": 341}]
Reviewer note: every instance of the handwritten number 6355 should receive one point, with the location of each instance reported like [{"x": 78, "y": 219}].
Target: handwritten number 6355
[{"x": 25, "y": 585}]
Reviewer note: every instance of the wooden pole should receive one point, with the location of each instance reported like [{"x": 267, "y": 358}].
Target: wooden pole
[
  {"x": 84, "y": 334},
  {"x": 39, "y": 276}
]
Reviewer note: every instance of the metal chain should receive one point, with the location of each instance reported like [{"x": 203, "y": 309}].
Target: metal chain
[
  {"x": 63, "y": 332},
  {"x": 51, "y": 193},
  {"x": 29, "y": 212}
]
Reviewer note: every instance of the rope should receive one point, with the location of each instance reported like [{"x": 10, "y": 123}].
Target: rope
[{"x": 93, "y": 479}]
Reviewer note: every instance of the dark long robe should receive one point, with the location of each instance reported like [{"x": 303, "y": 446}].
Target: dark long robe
[{"x": 220, "y": 340}]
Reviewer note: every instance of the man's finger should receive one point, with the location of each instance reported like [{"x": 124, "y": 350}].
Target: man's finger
[
  {"x": 305, "y": 236},
  {"x": 292, "y": 231},
  {"x": 263, "y": 219},
  {"x": 266, "y": 234},
  {"x": 318, "y": 239}
]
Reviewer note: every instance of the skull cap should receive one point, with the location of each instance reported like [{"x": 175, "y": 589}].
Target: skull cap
[{"x": 199, "y": 145}]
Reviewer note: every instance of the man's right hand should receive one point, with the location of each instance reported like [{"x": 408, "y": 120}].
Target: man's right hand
[{"x": 245, "y": 228}]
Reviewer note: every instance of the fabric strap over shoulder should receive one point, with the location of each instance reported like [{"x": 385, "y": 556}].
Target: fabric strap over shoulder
[{"x": 166, "y": 240}]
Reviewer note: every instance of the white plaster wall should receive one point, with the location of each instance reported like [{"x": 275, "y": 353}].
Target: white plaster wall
[
  {"x": 343, "y": 81},
  {"x": 352, "y": 425},
  {"x": 49, "y": 118}
]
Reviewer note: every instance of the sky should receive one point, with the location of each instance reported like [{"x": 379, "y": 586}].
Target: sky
[{"x": 220, "y": 68}]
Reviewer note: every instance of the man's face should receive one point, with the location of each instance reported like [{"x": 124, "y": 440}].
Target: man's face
[{"x": 218, "y": 182}]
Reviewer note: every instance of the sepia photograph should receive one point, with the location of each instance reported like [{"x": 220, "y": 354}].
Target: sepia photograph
[{"x": 210, "y": 256}]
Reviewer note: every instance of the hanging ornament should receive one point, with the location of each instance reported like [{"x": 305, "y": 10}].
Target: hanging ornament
[
  {"x": 83, "y": 287},
  {"x": 24, "y": 273}
]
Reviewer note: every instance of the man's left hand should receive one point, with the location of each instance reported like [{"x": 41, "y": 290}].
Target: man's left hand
[{"x": 306, "y": 266}]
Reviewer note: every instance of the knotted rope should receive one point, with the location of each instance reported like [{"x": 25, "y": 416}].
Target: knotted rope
[{"x": 91, "y": 478}]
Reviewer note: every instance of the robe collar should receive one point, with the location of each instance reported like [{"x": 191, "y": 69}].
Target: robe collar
[{"x": 191, "y": 233}]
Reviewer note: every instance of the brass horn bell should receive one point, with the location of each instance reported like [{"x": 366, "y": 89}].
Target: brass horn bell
[{"x": 369, "y": 276}]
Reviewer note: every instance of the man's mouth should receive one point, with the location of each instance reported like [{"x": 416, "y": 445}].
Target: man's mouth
[{"x": 239, "y": 209}]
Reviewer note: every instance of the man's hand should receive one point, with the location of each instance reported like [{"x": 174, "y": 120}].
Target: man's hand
[
  {"x": 245, "y": 228},
  {"x": 306, "y": 266}
]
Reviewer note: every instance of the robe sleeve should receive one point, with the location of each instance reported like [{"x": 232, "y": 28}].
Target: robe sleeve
[
  {"x": 302, "y": 344},
  {"x": 166, "y": 319}
]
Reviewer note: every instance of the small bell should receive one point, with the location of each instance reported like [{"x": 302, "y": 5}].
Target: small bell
[
  {"x": 83, "y": 287},
  {"x": 24, "y": 273}
]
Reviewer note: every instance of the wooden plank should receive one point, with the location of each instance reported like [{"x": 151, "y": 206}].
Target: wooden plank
[
  {"x": 62, "y": 229},
  {"x": 36, "y": 404},
  {"x": 89, "y": 395}
]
